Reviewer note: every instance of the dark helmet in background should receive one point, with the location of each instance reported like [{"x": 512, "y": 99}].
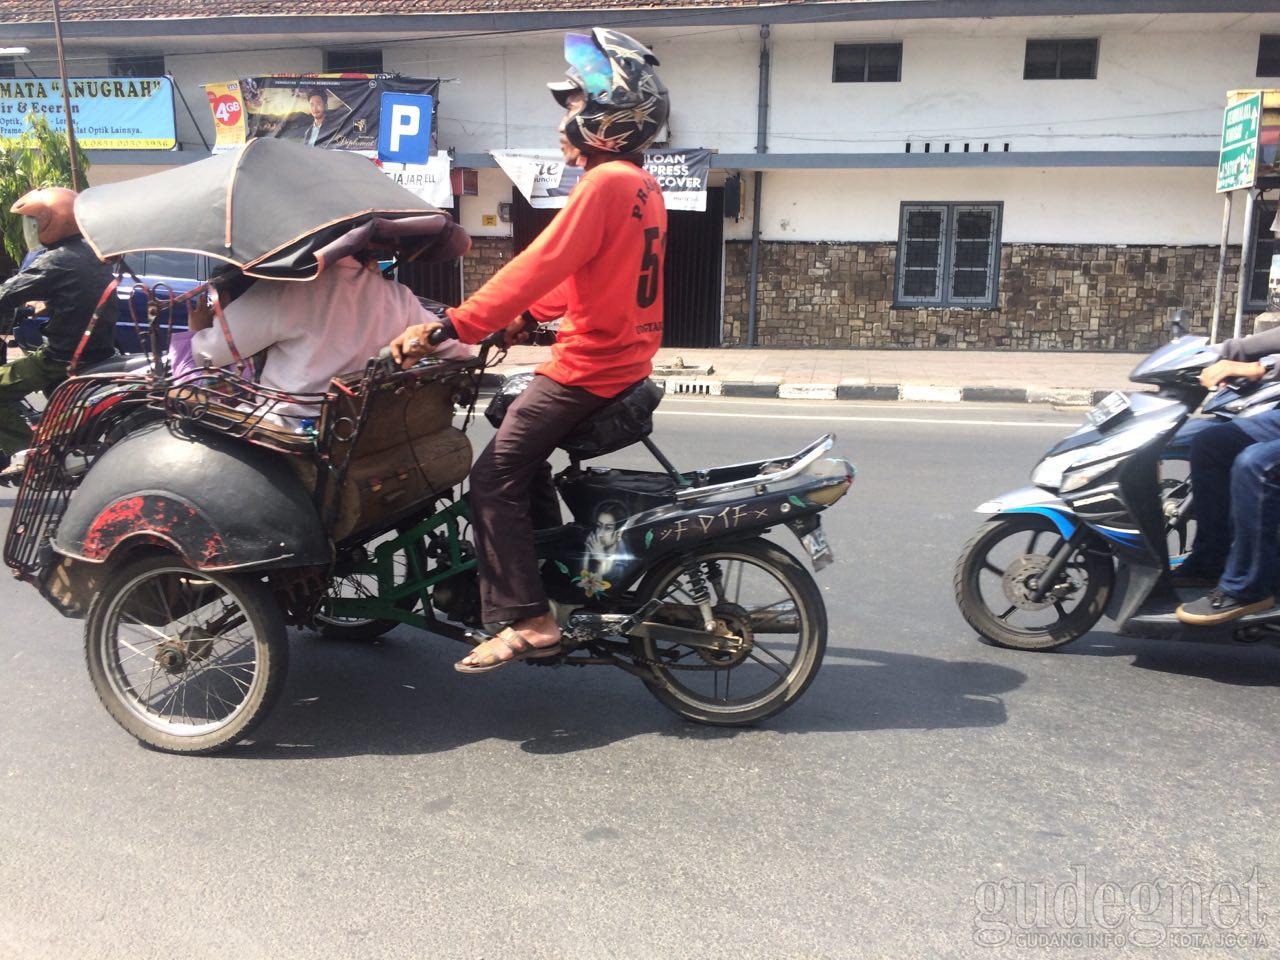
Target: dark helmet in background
[
  {"x": 626, "y": 104},
  {"x": 52, "y": 210}
]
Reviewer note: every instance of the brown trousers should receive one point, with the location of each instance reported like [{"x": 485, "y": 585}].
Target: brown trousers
[{"x": 512, "y": 495}]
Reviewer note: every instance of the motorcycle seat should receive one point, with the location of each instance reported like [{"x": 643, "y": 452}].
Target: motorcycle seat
[{"x": 120, "y": 363}]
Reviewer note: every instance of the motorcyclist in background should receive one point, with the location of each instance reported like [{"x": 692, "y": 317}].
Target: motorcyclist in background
[
  {"x": 70, "y": 280},
  {"x": 1235, "y": 476}
]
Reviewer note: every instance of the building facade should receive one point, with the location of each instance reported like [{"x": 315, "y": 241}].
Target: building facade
[{"x": 1001, "y": 174}]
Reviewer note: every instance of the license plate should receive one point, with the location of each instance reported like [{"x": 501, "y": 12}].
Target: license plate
[
  {"x": 1110, "y": 407},
  {"x": 815, "y": 541}
]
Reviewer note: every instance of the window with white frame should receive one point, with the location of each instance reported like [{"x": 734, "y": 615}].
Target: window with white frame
[{"x": 948, "y": 255}]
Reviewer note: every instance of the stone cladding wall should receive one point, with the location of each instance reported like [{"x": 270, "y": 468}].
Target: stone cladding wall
[
  {"x": 488, "y": 255},
  {"x": 1051, "y": 297}
]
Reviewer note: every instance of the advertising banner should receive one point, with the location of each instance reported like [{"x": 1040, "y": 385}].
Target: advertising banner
[
  {"x": 109, "y": 113},
  {"x": 228, "y": 114},
  {"x": 430, "y": 180},
  {"x": 337, "y": 111},
  {"x": 545, "y": 180}
]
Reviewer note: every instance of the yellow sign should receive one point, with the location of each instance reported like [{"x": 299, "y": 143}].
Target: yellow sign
[{"x": 227, "y": 106}]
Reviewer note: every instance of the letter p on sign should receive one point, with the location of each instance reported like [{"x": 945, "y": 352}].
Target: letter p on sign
[{"x": 404, "y": 128}]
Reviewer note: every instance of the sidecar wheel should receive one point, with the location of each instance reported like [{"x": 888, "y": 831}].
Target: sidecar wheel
[
  {"x": 995, "y": 578},
  {"x": 759, "y": 592},
  {"x": 186, "y": 661}
]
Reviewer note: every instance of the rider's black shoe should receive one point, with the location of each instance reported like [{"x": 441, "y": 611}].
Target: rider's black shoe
[{"x": 1221, "y": 607}]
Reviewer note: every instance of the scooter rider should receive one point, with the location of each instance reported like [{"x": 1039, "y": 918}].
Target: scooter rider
[
  {"x": 1235, "y": 478},
  {"x": 599, "y": 265},
  {"x": 70, "y": 279}
]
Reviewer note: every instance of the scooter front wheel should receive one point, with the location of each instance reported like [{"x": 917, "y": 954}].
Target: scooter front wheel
[
  {"x": 997, "y": 578},
  {"x": 186, "y": 661}
]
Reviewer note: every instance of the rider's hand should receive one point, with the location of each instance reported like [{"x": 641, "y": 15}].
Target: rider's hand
[
  {"x": 517, "y": 331},
  {"x": 1220, "y": 370},
  {"x": 412, "y": 345}
]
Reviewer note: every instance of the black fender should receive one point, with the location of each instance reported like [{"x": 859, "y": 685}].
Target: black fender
[{"x": 220, "y": 503}]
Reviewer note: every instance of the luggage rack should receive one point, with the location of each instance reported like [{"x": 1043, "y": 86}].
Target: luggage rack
[
  {"x": 237, "y": 407},
  {"x": 66, "y": 442}
]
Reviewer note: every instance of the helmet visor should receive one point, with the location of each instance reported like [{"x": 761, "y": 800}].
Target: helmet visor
[
  {"x": 590, "y": 63},
  {"x": 30, "y": 233}
]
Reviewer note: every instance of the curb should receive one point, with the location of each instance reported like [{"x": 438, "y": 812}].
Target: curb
[
  {"x": 705, "y": 386},
  {"x": 918, "y": 393}
]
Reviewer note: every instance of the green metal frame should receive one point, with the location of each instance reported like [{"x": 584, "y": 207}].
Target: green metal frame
[{"x": 418, "y": 577}]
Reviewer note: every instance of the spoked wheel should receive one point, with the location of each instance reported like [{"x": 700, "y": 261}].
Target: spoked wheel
[
  {"x": 766, "y": 602},
  {"x": 998, "y": 574},
  {"x": 362, "y": 586},
  {"x": 186, "y": 661}
]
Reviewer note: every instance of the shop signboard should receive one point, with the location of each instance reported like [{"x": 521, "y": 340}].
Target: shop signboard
[{"x": 109, "y": 113}]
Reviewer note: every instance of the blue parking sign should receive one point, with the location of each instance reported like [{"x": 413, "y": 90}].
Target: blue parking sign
[{"x": 404, "y": 128}]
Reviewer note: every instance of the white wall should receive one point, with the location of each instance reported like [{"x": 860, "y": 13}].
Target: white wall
[
  {"x": 1175, "y": 206},
  {"x": 1154, "y": 91}
]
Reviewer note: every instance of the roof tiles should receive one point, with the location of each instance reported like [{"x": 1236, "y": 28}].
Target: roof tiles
[{"x": 25, "y": 11}]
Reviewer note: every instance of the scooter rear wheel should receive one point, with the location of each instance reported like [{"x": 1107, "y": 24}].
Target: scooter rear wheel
[
  {"x": 186, "y": 661},
  {"x": 996, "y": 578}
]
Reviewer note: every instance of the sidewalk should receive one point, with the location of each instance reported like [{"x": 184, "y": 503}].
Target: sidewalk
[{"x": 1012, "y": 376}]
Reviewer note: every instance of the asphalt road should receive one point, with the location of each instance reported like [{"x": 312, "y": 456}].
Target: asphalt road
[{"x": 918, "y": 800}]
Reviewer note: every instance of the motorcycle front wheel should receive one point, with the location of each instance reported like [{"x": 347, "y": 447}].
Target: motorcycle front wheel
[
  {"x": 759, "y": 593},
  {"x": 186, "y": 661},
  {"x": 996, "y": 578}
]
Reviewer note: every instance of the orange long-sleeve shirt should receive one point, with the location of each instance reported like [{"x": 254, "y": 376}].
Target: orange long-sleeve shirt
[{"x": 599, "y": 265}]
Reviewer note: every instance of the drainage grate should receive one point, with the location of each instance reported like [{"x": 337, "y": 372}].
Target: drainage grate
[{"x": 694, "y": 385}]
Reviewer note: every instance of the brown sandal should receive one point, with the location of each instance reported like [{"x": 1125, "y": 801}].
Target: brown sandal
[{"x": 518, "y": 646}]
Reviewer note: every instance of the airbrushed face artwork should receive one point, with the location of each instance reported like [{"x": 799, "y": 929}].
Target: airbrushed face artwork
[{"x": 604, "y": 548}]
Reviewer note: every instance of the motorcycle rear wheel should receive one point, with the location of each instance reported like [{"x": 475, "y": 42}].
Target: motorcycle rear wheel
[
  {"x": 758, "y": 590},
  {"x": 186, "y": 661},
  {"x": 993, "y": 571}
]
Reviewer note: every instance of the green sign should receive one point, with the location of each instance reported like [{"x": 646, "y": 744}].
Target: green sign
[{"x": 1238, "y": 157}]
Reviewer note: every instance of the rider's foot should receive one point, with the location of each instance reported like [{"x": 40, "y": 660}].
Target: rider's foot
[
  {"x": 1220, "y": 607},
  {"x": 531, "y": 639}
]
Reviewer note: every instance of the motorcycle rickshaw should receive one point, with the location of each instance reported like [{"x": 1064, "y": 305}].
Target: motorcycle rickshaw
[{"x": 191, "y": 520}]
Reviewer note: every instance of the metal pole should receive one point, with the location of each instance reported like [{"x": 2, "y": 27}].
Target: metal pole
[
  {"x": 762, "y": 146},
  {"x": 1222, "y": 266},
  {"x": 1250, "y": 211},
  {"x": 66, "y": 97}
]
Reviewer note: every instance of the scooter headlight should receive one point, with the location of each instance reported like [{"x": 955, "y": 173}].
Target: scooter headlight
[
  {"x": 1048, "y": 472},
  {"x": 1087, "y": 474}
]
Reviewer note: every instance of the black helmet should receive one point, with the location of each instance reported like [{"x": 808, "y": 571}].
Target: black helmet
[{"x": 627, "y": 105}]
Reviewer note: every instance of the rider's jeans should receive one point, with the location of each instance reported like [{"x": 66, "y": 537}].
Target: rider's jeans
[
  {"x": 1235, "y": 480},
  {"x": 30, "y": 374},
  {"x": 511, "y": 495}
]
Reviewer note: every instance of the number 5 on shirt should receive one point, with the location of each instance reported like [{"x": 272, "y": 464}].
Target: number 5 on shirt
[{"x": 650, "y": 265}]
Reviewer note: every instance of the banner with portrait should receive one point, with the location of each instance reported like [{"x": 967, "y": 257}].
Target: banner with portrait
[{"x": 336, "y": 111}]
